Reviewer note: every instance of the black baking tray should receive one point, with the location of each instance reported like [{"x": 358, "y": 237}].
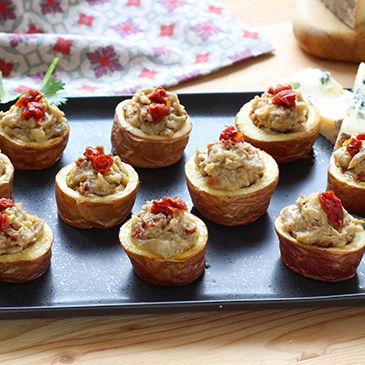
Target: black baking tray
[{"x": 90, "y": 274}]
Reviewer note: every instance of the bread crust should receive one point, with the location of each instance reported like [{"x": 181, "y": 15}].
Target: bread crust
[
  {"x": 30, "y": 263},
  {"x": 284, "y": 147},
  {"x": 34, "y": 155},
  {"x": 325, "y": 264},
  {"x": 232, "y": 208},
  {"x": 141, "y": 150},
  {"x": 350, "y": 192},
  {"x": 99, "y": 212},
  {"x": 177, "y": 271}
]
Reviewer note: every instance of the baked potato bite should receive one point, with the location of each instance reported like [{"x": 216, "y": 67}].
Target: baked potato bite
[
  {"x": 280, "y": 122},
  {"x": 346, "y": 174},
  {"x": 231, "y": 182},
  {"x": 151, "y": 130},
  {"x": 96, "y": 190},
  {"x": 6, "y": 177},
  {"x": 33, "y": 133},
  {"x": 319, "y": 239},
  {"x": 165, "y": 244},
  {"x": 25, "y": 244}
]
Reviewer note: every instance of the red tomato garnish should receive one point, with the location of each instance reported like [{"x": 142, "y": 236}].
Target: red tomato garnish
[
  {"x": 35, "y": 110},
  {"x": 168, "y": 205},
  {"x": 354, "y": 144},
  {"x": 102, "y": 163},
  {"x": 332, "y": 206},
  {"x": 6, "y": 203},
  {"x": 4, "y": 220},
  {"x": 285, "y": 98},
  {"x": 158, "y": 111},
  {"x": 91, "y": 151},
  {"x": 158, "y": 95},
  {"x": 279, "y": 88},
  {"x": 231, "y": 134},
  {"x": 29, "y": 96}
]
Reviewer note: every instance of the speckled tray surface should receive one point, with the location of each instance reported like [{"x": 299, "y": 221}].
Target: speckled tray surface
[{"x": 90, "y": 273}]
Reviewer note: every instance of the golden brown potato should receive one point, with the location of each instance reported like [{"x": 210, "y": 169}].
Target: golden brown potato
[
  {"x": 30, "y": 263},
  {"x": 329, "y": 264},
  {"x": 33, "y": 155},
  {"x": 142, "y": 150},
  {"x": 6, "y": 180},
  {"x": 350, "y": 192},
  {"x": 232, "y": 208},
  {"x": 177, "y": 271},
  {"x": 96, "y": 211},
  {"x": 284, "y": 147}
]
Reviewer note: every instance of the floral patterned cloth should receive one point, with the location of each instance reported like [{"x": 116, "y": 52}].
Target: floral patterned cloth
[{"x": 111, "y": 47}]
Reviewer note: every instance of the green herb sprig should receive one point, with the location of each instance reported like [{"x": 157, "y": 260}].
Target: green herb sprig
[{"x": 51, "y": 88}]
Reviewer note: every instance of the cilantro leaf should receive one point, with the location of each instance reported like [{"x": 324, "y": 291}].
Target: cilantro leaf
[{"x": 52, "y": 88}]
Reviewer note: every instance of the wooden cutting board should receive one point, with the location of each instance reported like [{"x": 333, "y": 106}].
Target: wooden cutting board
[{"x": 320, "y": 33}]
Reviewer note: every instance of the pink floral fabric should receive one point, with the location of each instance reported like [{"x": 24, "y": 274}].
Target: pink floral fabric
[{"x": 111, "y": 47}]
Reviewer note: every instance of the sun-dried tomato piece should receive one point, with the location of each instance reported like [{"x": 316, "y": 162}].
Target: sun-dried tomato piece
[
  {"x": 29, "y": 96},
  {"x": 332, "y": 206},
  {"x": 280, "y": 87},
  {"x": 167, "y": 205},
  {"x": 91, "y": 152},
  {"x": 158, "y": 111},
  {"x": 231, "y": 134},
  {"x": 4, "y": 220},
  {"x": 102, "y": 163},
  {"x": 158, "y": 95},
  {"x": 285, "y": 98},
  {"x": 6, "y": 203},
  {"x": 34, "y": 110}
]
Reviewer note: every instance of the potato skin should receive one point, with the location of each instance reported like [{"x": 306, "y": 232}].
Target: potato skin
[
  {"x": 29, "y": 264},
  {"x": 319, "y": 263},
  {"x": 156, "y": 270},
  {"x": 6, "y": 180},
  {"x": 284, "y": 147},
  {"x": 235, "y": 208},
  {"x": 350, "y": 192},
  {"x": 99, "y": 212},
  {"x": 33, "y": 155},
  {"x": 141, "y": 150}
]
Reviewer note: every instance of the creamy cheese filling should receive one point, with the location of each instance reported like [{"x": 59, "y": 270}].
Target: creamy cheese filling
[
  {"x": 230, "y": 166},
  {"x": 22, "y": 230},
  {"x": 137, "y": 113},
  {"x": 164, "y": 235},
  {"x": 275, "y": 118},
  {"x": 307, "y": 222},
  {"x": 87, "y": 181},
  {"x": 53, "y": 124},
  {"x": 351, "y": 165}
]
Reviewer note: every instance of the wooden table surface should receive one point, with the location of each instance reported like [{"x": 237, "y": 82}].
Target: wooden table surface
[{"x": 322, "y": 336}]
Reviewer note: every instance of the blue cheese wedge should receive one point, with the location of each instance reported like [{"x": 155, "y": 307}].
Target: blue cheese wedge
[
  {"x": 325, "y": 93},
  {"x": 354, "y": 120}
]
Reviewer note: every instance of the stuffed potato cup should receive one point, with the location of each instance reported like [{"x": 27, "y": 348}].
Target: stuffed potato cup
[
  {"x": 231, "y": 183},
  {"x": 346, "y": 175},
  {"x": 33, "y": 133},
  {"x": 330, "y": 256},
  {"x": 285, "y": 145},
  {"x": 84, "y": 204},
  {"x": 169, "y": 256},
  {"x": 6, "y": 177},
  {"x": 148, "y": 139},
  {"x": 24, "y": 256}
]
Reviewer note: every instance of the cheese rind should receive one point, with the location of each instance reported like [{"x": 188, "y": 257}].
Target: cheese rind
[
  {"x": 350, "y": 12},
  {"x": 354, "y": 120}
]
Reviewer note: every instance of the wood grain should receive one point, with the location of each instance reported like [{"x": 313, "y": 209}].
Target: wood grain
[{"x": 310, "y": 336}]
